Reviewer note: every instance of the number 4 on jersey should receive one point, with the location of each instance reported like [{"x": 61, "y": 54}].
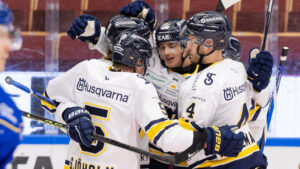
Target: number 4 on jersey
[{"x": 190, "y": 112}]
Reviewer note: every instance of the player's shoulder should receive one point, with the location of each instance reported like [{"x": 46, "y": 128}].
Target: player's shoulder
[
  {"x": 95, "y": 64},
  {"x": 216, "y": 75},
  {"x": 226, "y": 69},
  {"x": 140, "y": 80}
]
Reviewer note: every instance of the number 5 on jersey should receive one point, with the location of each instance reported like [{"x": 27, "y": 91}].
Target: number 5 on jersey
[{"x": 101, "y": 113}]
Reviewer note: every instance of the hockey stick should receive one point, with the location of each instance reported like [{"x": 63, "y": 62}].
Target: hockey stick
[
  {"x": 283, "y": 58},
  {"x": 225, "y": 4},
  {"x": 171, "y": 159},
  {"x": 168, "y": 158},
  {"x": 10, "y": 81},
  {"x": 267, "y": 23}
]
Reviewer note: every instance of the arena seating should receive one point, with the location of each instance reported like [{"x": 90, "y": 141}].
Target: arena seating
[
  {"x": 247, "y": 18},
  {"x": 105, "y": 9},
  {"x": 248, "y": 41},
  {"x": 292, "y": 40},
  {"x": 72, "y": 52},
  {"x": 294, "y": 17},
  {"x": 251, "y": 16},
  {"x": 31, "y": 57},
  {"x": 67, "y": 13},
  {"x": 21, "y": 11}
]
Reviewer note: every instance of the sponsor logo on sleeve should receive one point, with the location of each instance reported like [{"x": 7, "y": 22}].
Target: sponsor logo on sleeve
[{"x": 231, "y": 92}]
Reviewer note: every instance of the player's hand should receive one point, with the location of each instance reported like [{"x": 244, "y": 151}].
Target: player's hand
[
  {"x": 140, "y": 9},
  {"x": 260, "y": 68},
  {"x": 222, "y": 141},
  {"x": 79, "y": 125},
  {"x": 86, "y": 28}
]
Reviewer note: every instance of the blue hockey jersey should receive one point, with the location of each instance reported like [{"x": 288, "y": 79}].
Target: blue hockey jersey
[{"x": 10, "y": 128}]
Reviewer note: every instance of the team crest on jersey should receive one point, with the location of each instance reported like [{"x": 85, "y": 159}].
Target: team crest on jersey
[{"x": 209, "y": 80}]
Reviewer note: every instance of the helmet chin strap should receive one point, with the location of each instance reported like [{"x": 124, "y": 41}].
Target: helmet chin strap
[
  {"x": 202, "y": 56},
  {"x": 183, "y": 70}
]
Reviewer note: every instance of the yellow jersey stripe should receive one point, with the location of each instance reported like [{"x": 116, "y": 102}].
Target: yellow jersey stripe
[
  {"x": 253, "y": 111},
  {"x": 66, "y": 167},
  {"x": 142, "y": 133},
  {"x": 10, "y": 126},
  {"x": 155, "y": 129},
  {"x": 157, "y": 152},
  {"x": 195, "y": 71},
  {"x": 186, "y": 125},
  {"x": 241, "y": 155},
  {"x": 47, "y": 105}
]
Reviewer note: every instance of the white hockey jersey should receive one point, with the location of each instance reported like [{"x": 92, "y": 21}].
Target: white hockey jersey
[
  {"x": 216, "y": 96},
  {"x": 119, "y": 103},
  {"x": 165, "y": 81}
]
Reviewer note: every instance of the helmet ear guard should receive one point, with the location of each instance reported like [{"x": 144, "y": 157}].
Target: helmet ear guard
[{"x": 233, "y": 51}]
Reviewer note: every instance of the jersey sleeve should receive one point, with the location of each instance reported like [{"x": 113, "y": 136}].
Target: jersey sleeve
[
  {"x": 262, "y": 98},
  {"x": 61, "y": 90},
  {"x": 152, "y": 117},
  {"x": 102, "y": 45}
]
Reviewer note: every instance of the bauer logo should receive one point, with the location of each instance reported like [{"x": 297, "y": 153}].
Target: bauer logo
[{"x": 163, "y": 37}]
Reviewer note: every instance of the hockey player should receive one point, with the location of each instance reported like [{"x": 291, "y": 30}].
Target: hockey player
[
  {"x": 216, "y": 95},
  {"x": 160, "y": 76},
  {"x": 10, "y": 116},
  {"x": 113, "y": 99}
]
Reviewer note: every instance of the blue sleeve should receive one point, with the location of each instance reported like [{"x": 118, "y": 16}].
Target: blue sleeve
[{"x": 10, "y": 128}]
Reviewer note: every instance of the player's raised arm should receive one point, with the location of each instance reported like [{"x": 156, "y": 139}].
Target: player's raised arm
[{"x": 142, "y": 10}]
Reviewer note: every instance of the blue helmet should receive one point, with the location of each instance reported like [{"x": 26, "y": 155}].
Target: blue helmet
[
  {"x": 6, "y": 22},
  {"x": 131, "y": 49},
  {"x": 233, "y": 50},
  {"x": 171, "y": 30},
  {"x": 210, "y": 25},
  {"x": 121, "y": 23}
]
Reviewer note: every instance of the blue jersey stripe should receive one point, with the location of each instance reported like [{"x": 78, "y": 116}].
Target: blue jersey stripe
[
  {"x": 157, "y": 137},
  {"x": 148, "y": 126}
]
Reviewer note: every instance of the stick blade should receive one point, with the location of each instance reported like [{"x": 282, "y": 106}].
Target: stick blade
[{"x": 225, "y": 4}]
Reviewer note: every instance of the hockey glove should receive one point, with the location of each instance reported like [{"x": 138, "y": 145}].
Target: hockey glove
[
  {"x": 140, "y": 9},
  {"x": 86, "y": 28},
  {"x": 222, "y": 141},
  {"x": 260, "y": 68},
  {"x": 79, "y": 125}
]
